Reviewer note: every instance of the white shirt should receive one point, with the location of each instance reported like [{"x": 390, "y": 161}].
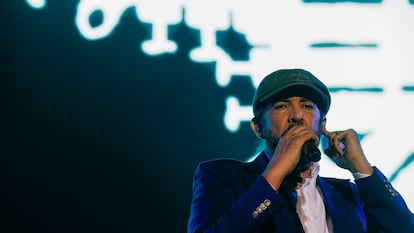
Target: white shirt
[{"x": 310, "y": 206}]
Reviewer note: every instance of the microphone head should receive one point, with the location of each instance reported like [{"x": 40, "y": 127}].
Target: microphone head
[
  {"x": 314, "y": 155},
  {"x": 310, "y": 153}
]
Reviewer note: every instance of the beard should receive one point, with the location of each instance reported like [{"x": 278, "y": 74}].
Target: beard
[{"x": 271, "y": 143}]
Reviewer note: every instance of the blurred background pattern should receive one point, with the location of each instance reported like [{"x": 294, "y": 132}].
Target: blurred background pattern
[{"x": 108, "y": 106}]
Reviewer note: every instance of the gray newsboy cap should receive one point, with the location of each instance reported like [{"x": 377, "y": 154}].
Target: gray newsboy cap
[{"x": 285, "y": 83}]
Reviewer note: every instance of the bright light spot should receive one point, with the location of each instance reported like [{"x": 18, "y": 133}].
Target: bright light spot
[
  {"x": 111, "y": 11},
  {"x": 236, "y": 114},
  {"x": 37, "y": 4}
]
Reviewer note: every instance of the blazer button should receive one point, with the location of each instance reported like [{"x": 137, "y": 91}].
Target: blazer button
[{"x": 263, "y": 206}]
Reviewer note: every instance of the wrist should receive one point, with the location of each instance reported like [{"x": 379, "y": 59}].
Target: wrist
[
  {"x": 274, "y": 179},
  {"x": 365, "y": 169},
  {"x": 359, "y": 175}
]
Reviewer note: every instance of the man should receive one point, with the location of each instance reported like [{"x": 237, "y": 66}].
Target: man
[{"x": 280, "y": 191}]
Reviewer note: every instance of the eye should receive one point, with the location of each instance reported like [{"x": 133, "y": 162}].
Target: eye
[
  {"x": 309, "y": 105},
  {"x": 280, "y": 106}
]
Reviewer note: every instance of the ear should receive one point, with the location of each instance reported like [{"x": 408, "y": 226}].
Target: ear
[{"x": 256, "y": 127}]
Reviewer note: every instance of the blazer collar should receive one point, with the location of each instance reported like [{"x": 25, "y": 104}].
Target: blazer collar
[
  {"x": 259, "y": 163},
  {"x": 343, "y": 213},
  {"x": 331, "y": 197}
]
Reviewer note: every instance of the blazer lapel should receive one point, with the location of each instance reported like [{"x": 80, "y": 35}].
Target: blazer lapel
[
  {"x": 331, "y": 196},
  {"x": 345, "y": 215}
]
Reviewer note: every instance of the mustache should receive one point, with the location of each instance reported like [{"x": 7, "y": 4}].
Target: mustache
[{"x": 291, "y": 125}]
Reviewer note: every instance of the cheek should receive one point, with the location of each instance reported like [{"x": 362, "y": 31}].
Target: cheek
[
  {"x": 316, "y": 122},
  {"x": 276, "y": 128},
  {"x": 275, "y": 124}
]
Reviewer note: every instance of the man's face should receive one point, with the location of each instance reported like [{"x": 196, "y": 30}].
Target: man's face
[{"x": 280, "y": 115}]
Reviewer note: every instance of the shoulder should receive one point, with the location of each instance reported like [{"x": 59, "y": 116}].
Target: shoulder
[
  {"x": 225, "y": 168},
  {"x": 223, "y": 164}
]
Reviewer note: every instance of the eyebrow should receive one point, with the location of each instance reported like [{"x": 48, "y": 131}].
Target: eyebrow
[
  {"x": 286, "y": 100},
  {"x": 302, "y": 99}
]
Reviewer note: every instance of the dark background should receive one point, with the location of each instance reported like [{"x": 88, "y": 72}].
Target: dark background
[{"x": 97, "y": 136}]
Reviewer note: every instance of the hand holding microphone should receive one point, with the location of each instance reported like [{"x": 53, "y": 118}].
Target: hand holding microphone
[
  {"x": 310, "y": 152},
  {"x": 293, "y": 149}
]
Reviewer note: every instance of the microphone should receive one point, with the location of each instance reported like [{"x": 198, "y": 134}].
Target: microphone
[{"x": 310, "y": 153}]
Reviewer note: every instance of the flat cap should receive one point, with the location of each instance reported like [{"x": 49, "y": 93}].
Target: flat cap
[{"x": 285, "y": 83}]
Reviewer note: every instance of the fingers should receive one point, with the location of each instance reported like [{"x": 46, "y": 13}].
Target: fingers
[
  {"x": 335, "y": 142},
  {"x": 325, "y": 132},
  {"x": 302, "y": 133}
]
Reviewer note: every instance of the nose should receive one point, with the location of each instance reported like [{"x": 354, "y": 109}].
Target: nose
[{"x": 296, "y": 114}]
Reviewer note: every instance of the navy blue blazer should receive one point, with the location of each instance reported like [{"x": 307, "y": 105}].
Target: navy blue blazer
[{"x": 232, "y": 196}]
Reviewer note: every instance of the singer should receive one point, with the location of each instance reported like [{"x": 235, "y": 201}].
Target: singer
[{"x": 281, "y": 191}]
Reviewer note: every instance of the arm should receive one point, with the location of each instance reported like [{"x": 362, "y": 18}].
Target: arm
[
  {"x": 222, "y": 203},
  {"x": 385, "y": 208}
]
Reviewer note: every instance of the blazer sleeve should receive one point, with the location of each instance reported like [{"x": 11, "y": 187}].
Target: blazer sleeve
[
  {"x": 222, "y": 203},
  {"x": 386, "y": 210}
]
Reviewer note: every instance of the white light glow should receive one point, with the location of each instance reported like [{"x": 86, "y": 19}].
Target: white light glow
[
  {"x": 235, "y": 114},
  {"x": 37, "y": 4},
  {"x": 379, "y": 53}
]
